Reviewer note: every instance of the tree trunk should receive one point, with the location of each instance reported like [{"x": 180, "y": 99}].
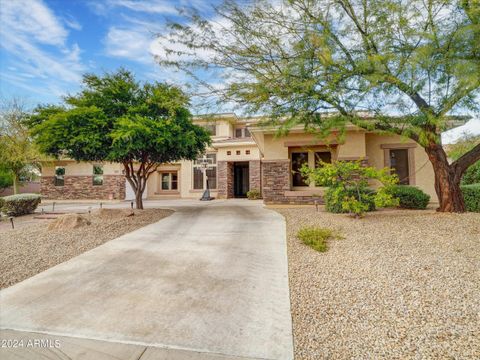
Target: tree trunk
[
  {"x": 15, "y": 184},
  {"x": 138, "y": 199},
  {"x": 447, "y": 181}
]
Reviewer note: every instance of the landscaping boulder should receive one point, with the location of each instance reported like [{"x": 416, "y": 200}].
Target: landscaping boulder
[{"x": 68, "y": 221}]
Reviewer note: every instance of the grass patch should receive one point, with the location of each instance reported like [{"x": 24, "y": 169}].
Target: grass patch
[{"x": 317, "y": 237}]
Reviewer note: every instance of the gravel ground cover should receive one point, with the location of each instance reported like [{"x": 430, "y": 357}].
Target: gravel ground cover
[
  {"x": 403, "y": 284},
  {"x": 30, "y": 250}
]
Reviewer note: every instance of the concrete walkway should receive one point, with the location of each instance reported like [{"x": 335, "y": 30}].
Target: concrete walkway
[{"x": 210, "y": 281}]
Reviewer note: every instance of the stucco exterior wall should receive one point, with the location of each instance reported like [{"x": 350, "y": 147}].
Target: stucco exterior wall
[
  {"x": 277, "y": 148},
  {"x": 423, "y": 170}
]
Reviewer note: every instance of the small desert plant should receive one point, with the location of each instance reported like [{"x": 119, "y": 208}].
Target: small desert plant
[
  {"x": 410, "y": 197},
  {"x": 317, "y": 237},
  {"x": 254, "y": 194},
  {"x": 20, "y": 204}
]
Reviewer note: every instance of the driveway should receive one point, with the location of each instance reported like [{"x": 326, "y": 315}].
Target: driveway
[{"x": 210, "y": 281}]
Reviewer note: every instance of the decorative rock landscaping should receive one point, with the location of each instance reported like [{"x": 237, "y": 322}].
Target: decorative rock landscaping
[{"x": 403, "y": 284}]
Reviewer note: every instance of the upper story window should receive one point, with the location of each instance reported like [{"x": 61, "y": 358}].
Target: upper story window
[
  {"x": 211, "y": 128},
  {"x": 97, "y": 175},
  {"x": 59, "y": 179},
  {"x": 242, "y": 132}
]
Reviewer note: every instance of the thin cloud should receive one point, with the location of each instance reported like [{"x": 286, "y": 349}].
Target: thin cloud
[{"x": 36, "y": 43}]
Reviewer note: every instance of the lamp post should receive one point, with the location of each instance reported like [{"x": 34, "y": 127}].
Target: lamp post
[{"x": 204, "y": 162}]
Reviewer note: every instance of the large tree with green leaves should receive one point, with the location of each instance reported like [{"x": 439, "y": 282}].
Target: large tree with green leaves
[
  {"x": 118, "y": 119},
  {"x": 410, "y": 65},
  {"x": 18, "y": 153}
]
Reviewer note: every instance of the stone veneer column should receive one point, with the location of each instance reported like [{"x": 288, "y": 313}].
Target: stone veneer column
[
  {"x": 254, "y": 174},
  {"x": 81, "y": 187},
  {"x": 225, "y": 179},
  {"x": 275, "y": 180}
]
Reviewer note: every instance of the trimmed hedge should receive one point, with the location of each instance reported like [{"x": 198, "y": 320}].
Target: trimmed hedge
[
  {"x": 20, "y": 204},
  {"x": 333, "y": 203},
  {"x": 411, "y": 197},
  {"x": 471, "y": 196}
]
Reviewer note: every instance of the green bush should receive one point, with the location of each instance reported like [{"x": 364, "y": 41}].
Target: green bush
[
  {"x": 334, "y": 198},
  {"x": 471, "y": 196},
  {"x": 411, "y": 197},
  {"x": 472, "y": 175},
  {"x": 254, "y": 194},
  {"x": 316, "y": 237},
  {"x": 21, "y": 204}
]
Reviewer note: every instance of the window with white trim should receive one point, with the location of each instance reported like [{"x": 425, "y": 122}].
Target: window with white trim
[{"x": 169, "y": 181}]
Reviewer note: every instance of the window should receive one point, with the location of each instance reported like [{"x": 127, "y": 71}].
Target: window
[
  {"x": 323, "y": 156},
  {"x": 242, "y": 132},
  {"x": 211, "y": 128},
  {"x": 199, "y": 181},
  {"x": 169, "y": 181},
  {"x": 97, "y": 175},
  {"x": 59, "y": 179},
  {"x": 229, "y": 152},
  {"x": 247, "y": 152},
  {"x": 298, "y": 160},
  {"x": 238, "y": 152},
  {"x": 399, "y": 164}
]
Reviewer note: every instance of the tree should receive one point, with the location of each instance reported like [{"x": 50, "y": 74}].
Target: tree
[
  {"x": 411, "y": 65},
  {"x": 462, "y": 146},
  {"x": 6, "y": 178},
  {"x": 18, "y": 152},
  {"x": 117, "y": 119}
]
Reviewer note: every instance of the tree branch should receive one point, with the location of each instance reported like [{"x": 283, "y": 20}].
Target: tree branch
[{"x": 467, "y": 159}]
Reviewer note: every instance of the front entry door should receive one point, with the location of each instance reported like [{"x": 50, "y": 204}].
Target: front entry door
[{"x": 240, "y": 179}]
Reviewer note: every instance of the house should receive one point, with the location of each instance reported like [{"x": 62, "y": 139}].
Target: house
[{"x": 245, "y": 156}]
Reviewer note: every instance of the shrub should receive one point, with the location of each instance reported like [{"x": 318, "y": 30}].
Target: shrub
[
  {"x": 21, "y": 204},
  {"x": 410, "y": 197},
  {"x": 254, "y": 194},
  {"x": 316, "y": 237},
  {"x": 348, "y": 181},
  {"x": 472, "y": 175},
  {"x": 2, "y": 202},
  {"x": 471, "y": 196},
  {"x": 334, "y": 198}
]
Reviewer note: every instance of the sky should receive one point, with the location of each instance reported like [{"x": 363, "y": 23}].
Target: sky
[{"x": 46, "y": 45}]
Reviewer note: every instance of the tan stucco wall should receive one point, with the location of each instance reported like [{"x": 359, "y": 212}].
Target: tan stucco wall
[
  {"x": 73, "y": 168},
  {"x": 254, "y": 153},
  {"x": 353, "y": 145},
  {"x": 424, "y": 176}
]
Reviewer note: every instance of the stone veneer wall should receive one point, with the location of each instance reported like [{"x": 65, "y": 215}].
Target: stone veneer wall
[
  {"x": 275, "y": 180},
  {"x": 254, "y": 174},
  {"x": 81, "y": 188},
  {"x": 225, "y": 179}
]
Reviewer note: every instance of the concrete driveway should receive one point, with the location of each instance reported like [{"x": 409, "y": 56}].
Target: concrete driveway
[{"x": 210, "y": 281}]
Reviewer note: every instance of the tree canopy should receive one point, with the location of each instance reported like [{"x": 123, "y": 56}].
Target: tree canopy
[
  {"x": 117, "y": 119},
  {"x": 18, "y": 153},
  {"x": 403, "y": 67}
]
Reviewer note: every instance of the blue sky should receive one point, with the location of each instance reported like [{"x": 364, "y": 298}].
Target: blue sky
[{"x": 46, "y": 45}]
